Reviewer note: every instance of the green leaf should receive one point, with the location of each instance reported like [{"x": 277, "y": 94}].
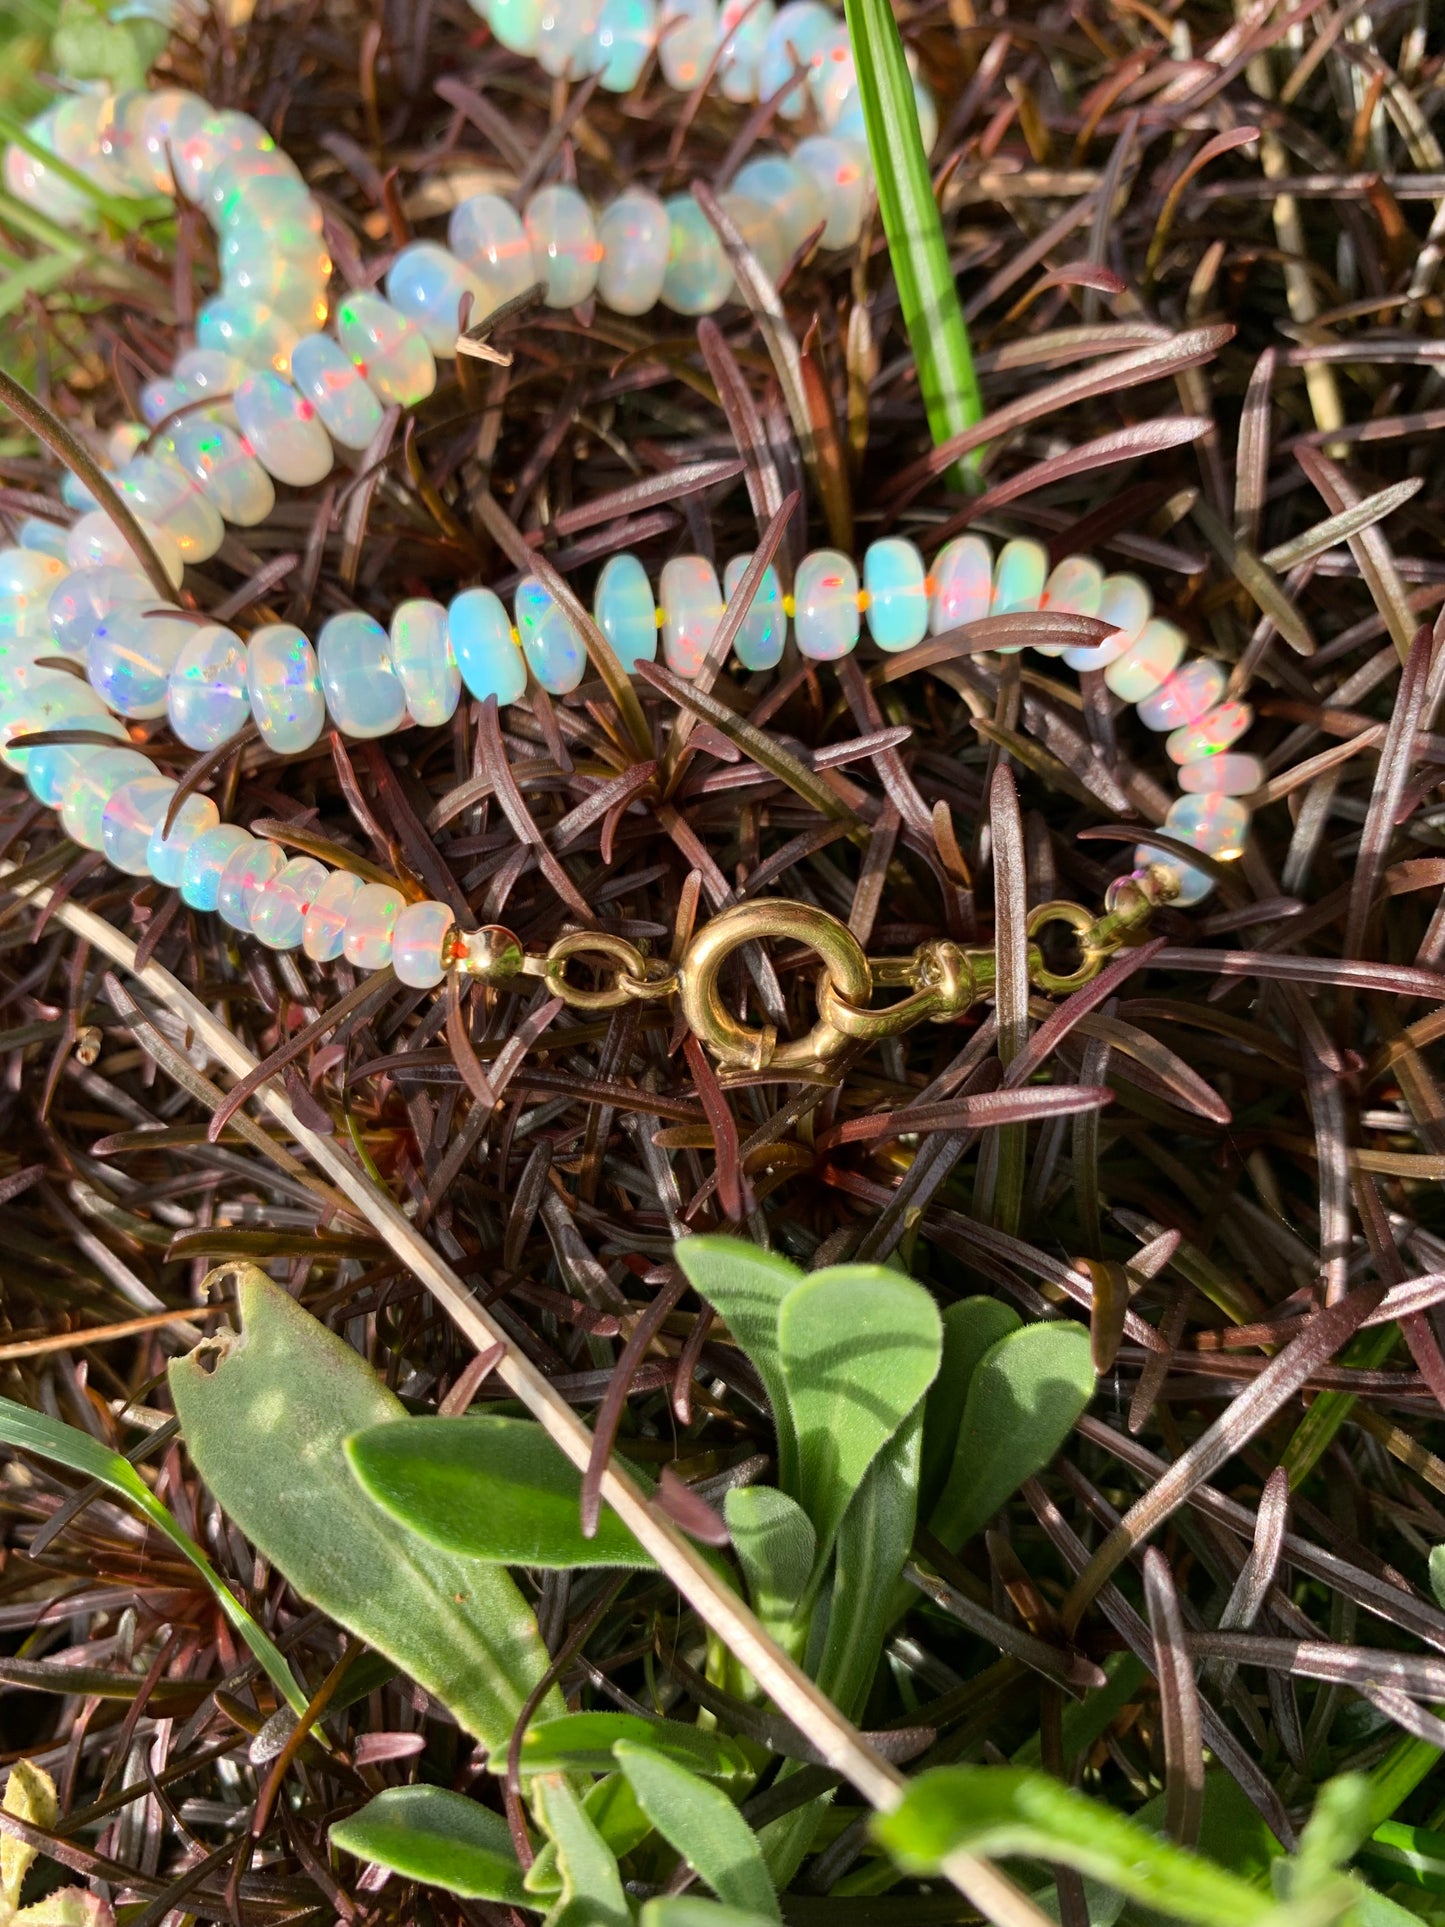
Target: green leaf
[
  {"x": 1407, "y": 1856},
  {"x": 592, "y": 1893},
  {"x": 265, "y": 1425},
  {"x": 858, "y": 1346},
  {"x": 1002, "y": 1811},
  {"x": 611, "y": 1806},
  {"x": 702, "y": 1823},
  {"x": 65, "y": 1445},
  {"x": 970, "y": 1327},
  {"x": 1024, "y": 1397},
  {"x": 1334, "y": 1832},
  {"x": 584, "y": 1742},
  {"x": 745, "y": 1287},
  {"x": 927, "y": 293},
  {"x": 688, "y": 1910},
  {"x": 1437, "y": 1574},
  {"x": 489, "y": 1487},
  {"x": 439, "y": 1837},
  {"x": 776, "y": 1548},
  {"x": 94, "y": 42}
]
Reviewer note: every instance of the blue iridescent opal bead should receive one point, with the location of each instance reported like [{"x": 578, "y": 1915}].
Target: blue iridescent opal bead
[
  {"x": 46, "y": 538},
  {"x": 1212, "y": 822},
  {"x": 325, "y": 922},
  {"x": 245, "y": 874},
  {"x": 282, "y": 905},
  {"x": 490, "y": 662},
  {"x": 691, "y": 601},
  {"x": 220, "y": 463},
  {"x": 337, "y": 390},
  {"x": 90, "y": 787},
  {"x": 826, "y": 617},
  {"x": 795, "y": 38},
  {"x": 564, "y": 38},
  {"x": 686, "y": 36},
  {"x": 204, "y": 861},
  {"x": 515, "y": 23},
  {"x": 85, "y": 595},
  {"x": 759, "y": 641},
  {"x": 622, "y": 41},
  {"x": 283, "y": 682},
  {"x": 129, "y": 819},
  {"x": 743, "y": 28},
  {"x": 418, "y": 944},
  {"x": 426, "y": 283},
  {"x": 421, "y": 655},
  {"x": 167, "y": 851},
  {"x": 131, "y": 657},
  {"x": 389, "y": 349},
  {"x": 565, "y": 250},
  {"x": 894, "y": 582},
  {"x": 625, "y": 611},
  {"x": 371, "y": 925},
  {"x": 283, "y": 430},
  {"x": 699, "y": 278},
  {"x": 633, "y": 233},
  {"x": 553, "y": 648},
  {"x": 49, "y": 767},
  {"x": 487, "y": 233},
  {"x": 207, "y": 699},
  {"x": 364, "y": 694}
]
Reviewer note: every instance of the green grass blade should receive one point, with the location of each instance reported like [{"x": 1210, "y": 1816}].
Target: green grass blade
[{"x": 932, "y": 313}]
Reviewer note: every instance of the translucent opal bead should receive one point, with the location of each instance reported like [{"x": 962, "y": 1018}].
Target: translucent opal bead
[
  {"x": 91, "y": 785},
  {"x": 165, "y": 495},
  {"x": 293, "y": 286},
  {"x": 692, "y": 604},
  {"x": 75, "y": 137},
  {"x": 75, "y": 494},
  {"x": 633, "y": 236},
  {"x": 49, "y": 766},
  {"x": 421, "y": 655},
  {"x": 95, "y": 542},
  {"x": 283, "y": 430},
  {"x": 624, "y": 36},
  {"x": 699, "y": 278},
  {"x": 825, "y": 604},
  {"x": 247, "y": 870},
  {"x": 210, "y": 374},
  {"x": 1193, "y": 883},
  {"x": 388, "y": 349},
  {"x": 760, "y": 232},
  {"x": 1126, "y": 602},
  {"x": 222, "y": 137},
  {"x": 1149, "y": 664},
  {"x": 565, "y": 250},
  {"x": 371, "y": 926},
  {"x": 553, "y": 648},
  {"x": 124, "y": 441},
  {"x": 893, "y": 581},
  {"x": 219, "y": 462},
  {"x": 759, "y": 642},
  {"x": 796, "y": 37},
  {"x": 962, "y": 584},
  {"x": 278, "y": 201},
  {"x": 166, "y": 854},
  {"x": 283, "y": 683},
  {"x": 364, "y": 694},
  {"x": 45, "y": 538},
  {"x": 120, "y": 147},
  {"x": 687, "y": 32},
  {"x": 487, "y": 233},
  {"x": 278, "y": 916},
  {"x": 252, "y": 333},
  {"x": 30, "y": 572},
  {"x": 426, "y": 283},
  {"x": 86, "y": 594},
  {"x": 516, "y": 23},
  {"x": 161, "y": 398},
  {"x": 419, "y": 941},
  {"x": 840, "y": 171},
  {"x": 1189, "y": 692},
  {"x": 325, "y": 924},
  {"x": 1214, "y": 823},
  {"x": 42, "y": 186},
  {"x": 207, "y": 700},
  {"x": 743, "y": 29},
  {"x": 21, "y": 670},
  {"x": 790, "y": 194},
  {"x": 1222, "y": 776},
  {"x": 833, "y": 82},
  {"x": 625, "y": 611},
  {"x": 486, "y": 654},
  {"x": 205, "y": 860},
  {"x": 337, "y": 390},
  {"x": 564, "y": 38},
  {"x": 167, "y": 121},
  {"x": 1210, "y": 733},
  {"x": 131, "y": 657},
  {"x": 1073, "y": 588},
  {"x": 850, "y": 123},
  {"x": 128, "y": 820},
  {"x": 1018, "y": 577}
]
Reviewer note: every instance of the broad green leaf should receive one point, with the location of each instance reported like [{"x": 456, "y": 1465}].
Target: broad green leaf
[
  {"x": 776, "y": 1548},
  {"x": 998, "y": 1811},
  {"x": 1334, "y": 1832},
  {"x": 687, "y": 1910},
  {"x": 66, "y": 1445},
  {"x": 592, "y": 1893},
  {"x": 1025, "y": 1394},
  {"x": 1369, "y": 1909},
  {"x": 442, "y": 1838},
  {"x": 858, "y": 1346},
  {"x": 489, "y": 1487},
  {"x": 745, "y": 1286},
  {"x": 1409, "y": 1856},
  {"x": 611, "y": 1806},
  {"x": 96, "y": 41},
  {"x": 702, "y": 1823},
  {"x": 1231, "y": 1833},
  {"x": 30, "y": 1796},
  {"x": 584, "y": 1742},
  {"x": 873, "y": 1542},
  {"x": 265, "y": 1418},
  {"x": 970, "y": 1327}
]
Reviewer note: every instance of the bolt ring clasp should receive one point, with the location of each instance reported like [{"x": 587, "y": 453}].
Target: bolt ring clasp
[{"x": 741, "y": 1046}]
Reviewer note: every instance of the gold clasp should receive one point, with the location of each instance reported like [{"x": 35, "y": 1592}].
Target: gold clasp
[{"x": 740, "y": 1045}]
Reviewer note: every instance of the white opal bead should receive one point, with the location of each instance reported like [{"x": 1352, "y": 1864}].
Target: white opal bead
[
  {"x": 826, "y": 616},
  {"x": 833, "y": 82},
  {"x": 325, "y": 921},
  {"x": 426, "y": 283},
  {"x": 1214, "y": 823},
  {"x": 223, "y": 467},
  {"x": 1210, "y": 733},
  {"x": 244, "y": 875},
  {"x": 691, "y": 601},
  {"x": 487, "y": 653},
  {"x": 77, "y": 127},
  {"x": 165, "y": 495},
  {"x": 699, "y": 276},
  {"x": 45, "y": 538},
  {"x": 962, "y": 577},
  {"x": 65, "y": 704},
  {"x": 290, "y": 283},
  {"x": 205, "y": 861},
  {"x": 283, "y": 683},
  {"x": 896, "y": 594},
  {"x": 565, "y": 249},
  {"x": 1184, "y": 698},
  {"x": 371, "y": 925},
  {"x": 1149, "y": 664},
  {"x": 129, "y": 819},
  {"x": 94, "y": 542},
  {"x": 1018, "y": 577},
  {"x": 210, "y": 374},
  {"x": 248, "y": 331},
  {"x": 90, "y": 787},
  {"x": 552, "y": 647},
  {"x": 759, "y": 230},
  {"x": 796, "y": 37},
  {"x": 364, "y": 694},
  {"x": 1126, "y": 602},
  {"x": 516, "y": 23},
  {"x": 625, "y": 611},
  {"x": 282, "y": 430},
  {"x": 268, "y": 194},
  {"x": 840, "y": 171},
  {"x": 686, "y": 35},
  {"x": 743, "y": 28},
  {"x": 389, "y": 349},
  {"x": 41, "y": 185},
  {"x": 131, "y": 657},
  {"x": 1074, "y": 588},
  {"x": 166, "y": 854},
  {"x": 622, "y": 40},
  {"x": 278, "y": 916},
  {"x": 337, "y": 390},
  {"x": 125, "y": 441},
  {"x": 633, "y": 234},
  {"x": 220, "y": 137},
  {"x": 26, "y": 666},
  {"x": 487, "y": 233},
  {"x": 759, "y": 642},
  {"x": 84, "y": 595},
  {"x": 419, "y": 944},
  {"x": 75, "y": 494},
  {"x": 1222, "y": 776},
  {"x": 206, "y": 699},
  {"x": 421, "y": 655},
  {"x": 564, "y": 38},
  {"x": 158, "y": 399},
  {"x": 30, "y": 572},
  {"x": 789, "y": 192},
  {"x": 166, "y": 122}
]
